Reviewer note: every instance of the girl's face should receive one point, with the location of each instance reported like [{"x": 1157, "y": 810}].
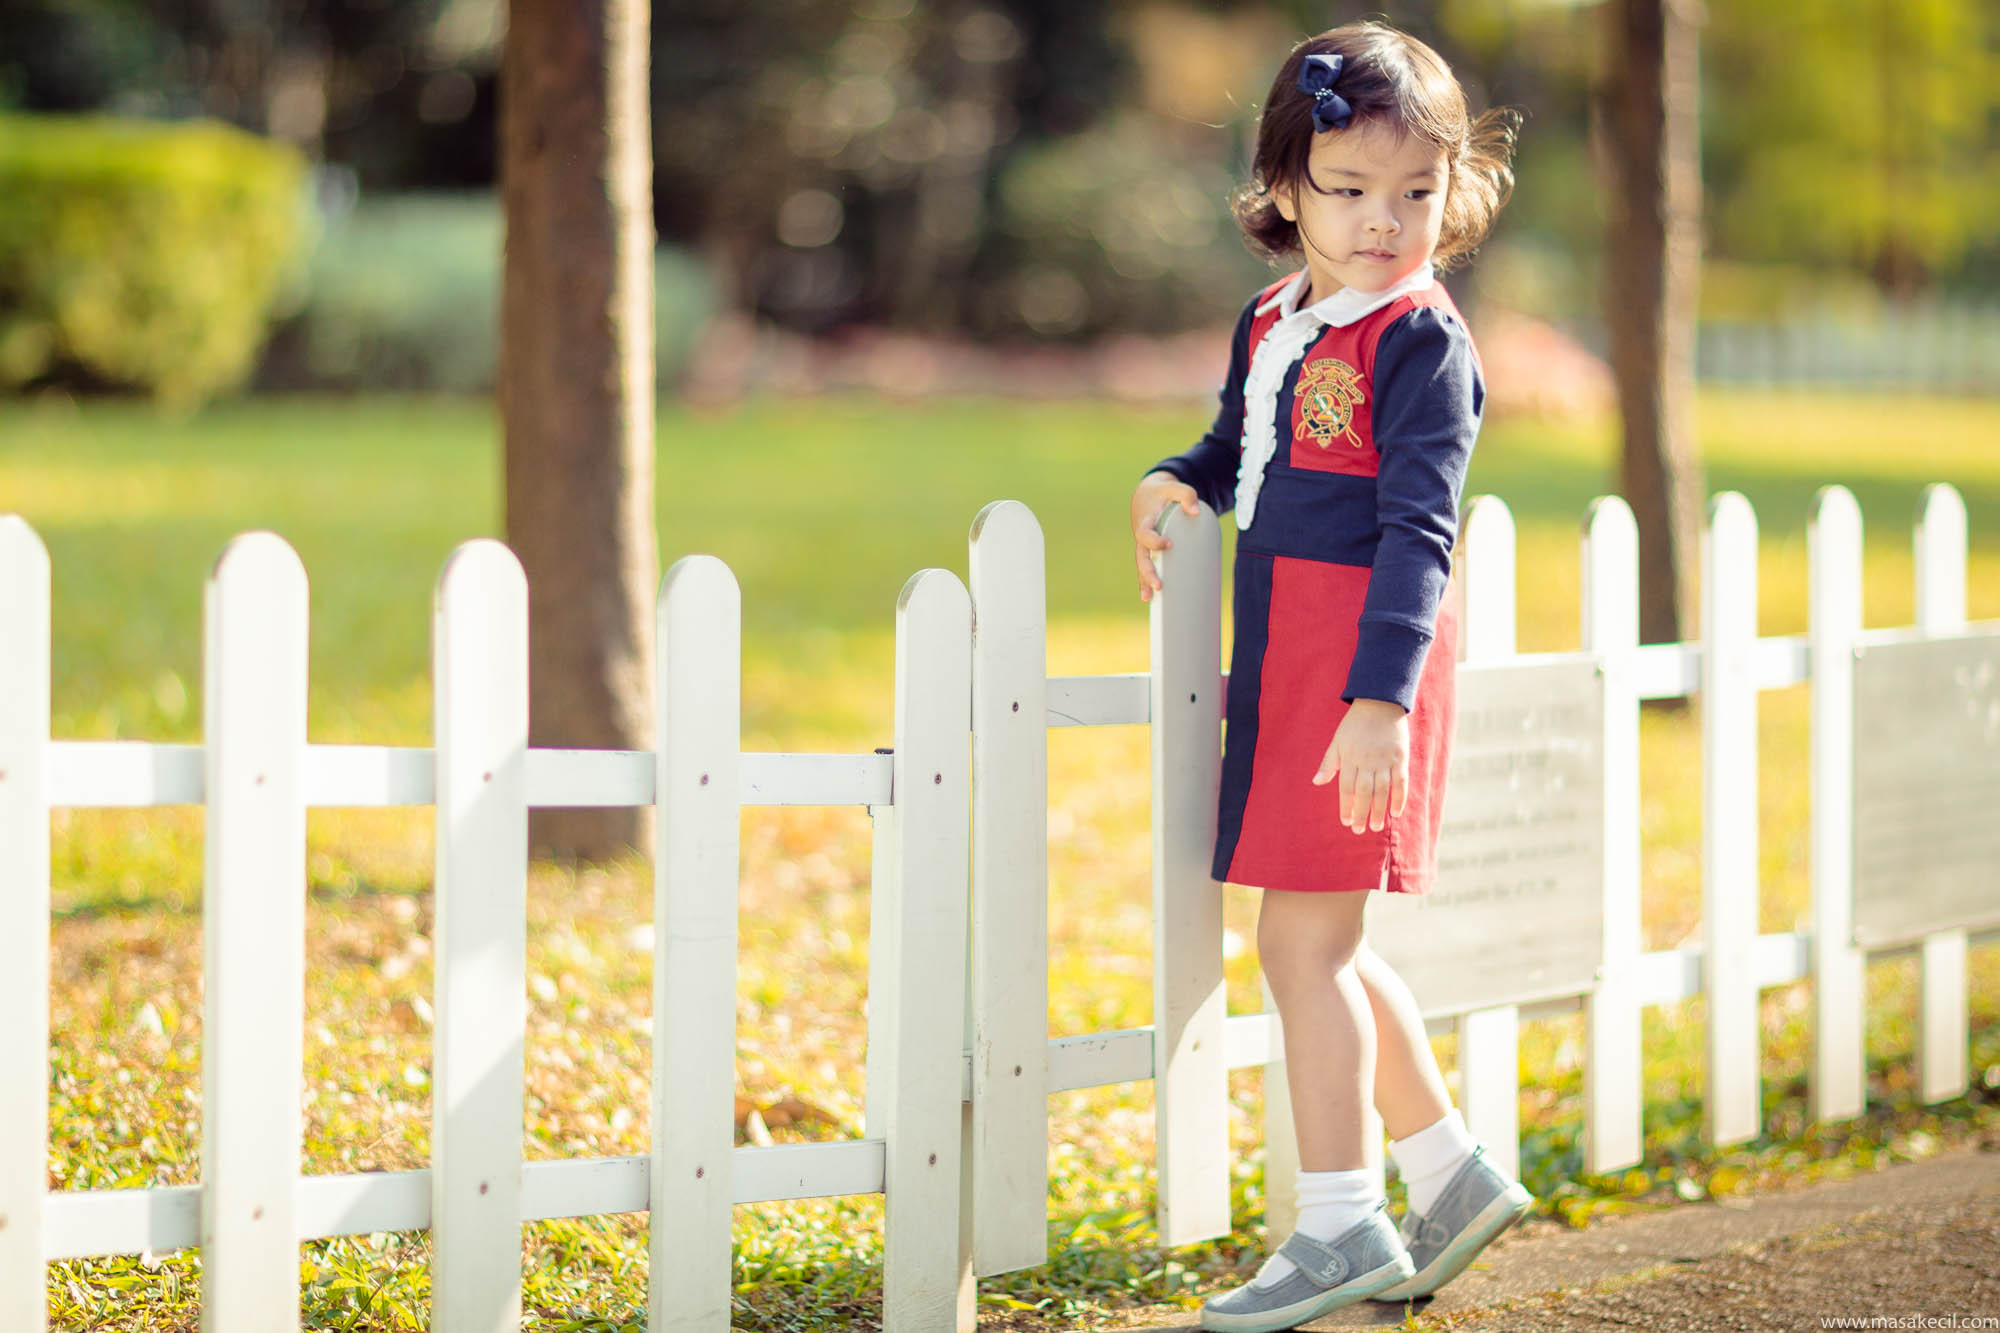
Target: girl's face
[{"x": 1378, "y": 220}]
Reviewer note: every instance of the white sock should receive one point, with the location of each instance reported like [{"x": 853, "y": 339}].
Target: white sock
[
  {"x": 1429, "y": 1158},
  {"x": 1330, "y": 1204}
]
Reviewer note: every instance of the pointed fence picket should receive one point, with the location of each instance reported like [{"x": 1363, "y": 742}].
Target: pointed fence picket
[
  {"x": 1942, "y": 1025},
  {"x": 921, "y": 1069},
  {"x": 1008, "y": 1109},
  {"x": 959, "y": 1064},
  {"x": 479, "y": 1042},
  {"x": 1489, "y": 1040},
  {"x": 253, "y": 918},
  {"x": 1837, "y": 1076},
  {"x": 1732, "y": 1111},
  {"x": 1190, "y": 1069},
  {"x": 1613, "y": 1075},
  {"x": 24, "y": 923},
  {"x": 699, "y": 694}
]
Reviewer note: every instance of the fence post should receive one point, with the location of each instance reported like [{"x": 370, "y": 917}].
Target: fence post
[
  {"x": 1613, "y": 1075},
  {"x": 882, "y": 966},
  {"x": 253, "y": 929},
  {"x": 1943, "y": 1030},
  {"x": 24, "y": 924},
  {"x": 1008, "y": 1126},
  {"x": 1190, "y": 1068},
  {"x": 1732, "y": 1111},
  {"x": 480, "y": 639},
  {"x": 695, "y": 883},
  {"x": 1838, "y": 1075},
  {"x": 920, "y": 1071},
  {"x": 1489, "y": 1040}
]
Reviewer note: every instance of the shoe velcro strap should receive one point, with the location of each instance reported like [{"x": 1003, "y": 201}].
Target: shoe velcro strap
[
  {"x": 1317, "y": 1259},
  {"x": 1416, "y": 1229},
  {"x": 1430, "y": 1231}
]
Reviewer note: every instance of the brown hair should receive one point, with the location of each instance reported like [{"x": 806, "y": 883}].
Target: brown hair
[{"x": 1388, "y": 78}]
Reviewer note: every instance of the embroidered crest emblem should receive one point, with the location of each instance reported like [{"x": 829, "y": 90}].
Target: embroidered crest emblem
[{"x": 1328, "y": 392}]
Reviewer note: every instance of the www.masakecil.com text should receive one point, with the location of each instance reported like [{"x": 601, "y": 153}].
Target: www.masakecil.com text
[{"x": 1946, "y": 1321}]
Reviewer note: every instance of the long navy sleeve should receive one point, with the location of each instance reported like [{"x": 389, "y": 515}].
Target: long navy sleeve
[
  {"x": 1427, "y": 401},
  {"x": 1210, "y": 466}
]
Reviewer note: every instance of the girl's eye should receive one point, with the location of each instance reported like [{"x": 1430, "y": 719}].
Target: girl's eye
[
  {"x": 1347, "y": 192},
  {"x": 1421, "y": 194}
]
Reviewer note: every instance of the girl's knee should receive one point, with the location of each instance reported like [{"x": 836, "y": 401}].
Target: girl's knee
[{"x": 1312, "y": 934}]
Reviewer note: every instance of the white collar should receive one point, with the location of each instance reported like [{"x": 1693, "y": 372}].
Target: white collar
[{"x": 1346, "y": 305}]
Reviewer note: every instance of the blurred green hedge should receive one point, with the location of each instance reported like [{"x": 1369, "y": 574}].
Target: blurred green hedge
[
  {"x": 403, "y": 293},
  {"x": 141, "y": 254}
]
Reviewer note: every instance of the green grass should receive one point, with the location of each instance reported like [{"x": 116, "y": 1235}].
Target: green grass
[{"x": 824, "y": 508}]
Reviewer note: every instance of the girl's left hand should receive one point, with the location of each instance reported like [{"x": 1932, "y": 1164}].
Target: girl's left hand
[{"x": 1370, "y": 755}]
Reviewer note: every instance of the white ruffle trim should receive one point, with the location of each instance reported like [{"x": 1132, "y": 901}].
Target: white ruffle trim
[
  {"x": 1287, "y": 340},
  {"x": 1268, "y": 364}
]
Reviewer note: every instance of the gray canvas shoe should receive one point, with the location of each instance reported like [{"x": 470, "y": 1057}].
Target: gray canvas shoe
[
  {"x": 1360, "y": 1262},
  {"x": 1477, "y": 1205}
]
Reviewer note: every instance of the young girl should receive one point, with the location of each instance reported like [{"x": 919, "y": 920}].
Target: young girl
[{"x": 1347, "y": 420}]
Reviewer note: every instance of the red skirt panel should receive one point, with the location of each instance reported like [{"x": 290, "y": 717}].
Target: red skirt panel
[{"x": 1296, "y": 624}]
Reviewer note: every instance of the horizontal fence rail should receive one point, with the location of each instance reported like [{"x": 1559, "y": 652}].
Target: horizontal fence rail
[
  {"x": 135, "y": 773},
  {"x": 960, "y": 1066}
]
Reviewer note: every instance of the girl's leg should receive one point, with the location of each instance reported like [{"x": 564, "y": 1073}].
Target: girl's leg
[
  {"x": 1463, "y": 1200},
  {"x": 1409, "y": 1088},
  {"x": 1428, "y": 1138},
  {"x": 1307, "y": 943},
  {"x": 1344, "y": 1241}
]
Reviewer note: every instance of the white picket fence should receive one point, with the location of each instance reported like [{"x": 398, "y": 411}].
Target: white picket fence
[{"x": 960, "y": 1066}]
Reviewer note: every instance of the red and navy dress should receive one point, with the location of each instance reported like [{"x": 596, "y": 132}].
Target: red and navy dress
[{"x": 1343, "y": 568}]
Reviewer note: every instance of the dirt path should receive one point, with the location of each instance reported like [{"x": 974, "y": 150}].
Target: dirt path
[{"x": 1909, "y": 1244}]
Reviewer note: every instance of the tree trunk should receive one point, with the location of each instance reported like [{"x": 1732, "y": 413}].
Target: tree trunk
[
  {"x": 576, "y": 386},
  {"x": 1650, "y": 153}
]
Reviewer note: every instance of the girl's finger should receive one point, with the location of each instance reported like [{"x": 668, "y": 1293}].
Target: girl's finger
[
  {"x": 1347, "y": 796},
  {"x": 1152, "y": 540},
  {"x": 1364, "y": 797},
  {"x": 1149, "y": 577},
  {"x": 1399, "y": 790},
  {"x": 1378, "y": 809}
]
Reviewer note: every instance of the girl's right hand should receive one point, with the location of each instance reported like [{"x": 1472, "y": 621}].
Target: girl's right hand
[{"x": 1156, "y": 490}]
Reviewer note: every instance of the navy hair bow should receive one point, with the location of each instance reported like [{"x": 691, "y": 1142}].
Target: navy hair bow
[{"x": 1316, "y": 80}]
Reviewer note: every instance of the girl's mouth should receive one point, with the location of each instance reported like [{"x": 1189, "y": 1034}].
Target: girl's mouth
[{"x": 1377, "y": 255}]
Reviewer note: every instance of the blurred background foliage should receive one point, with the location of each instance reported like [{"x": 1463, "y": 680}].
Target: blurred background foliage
[
  {"x": 1025, "y": 171},
  {"x": 137, "y": 253}
]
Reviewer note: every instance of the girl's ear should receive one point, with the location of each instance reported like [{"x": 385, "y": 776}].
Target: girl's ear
[{"x": 1286, "y": 197}]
